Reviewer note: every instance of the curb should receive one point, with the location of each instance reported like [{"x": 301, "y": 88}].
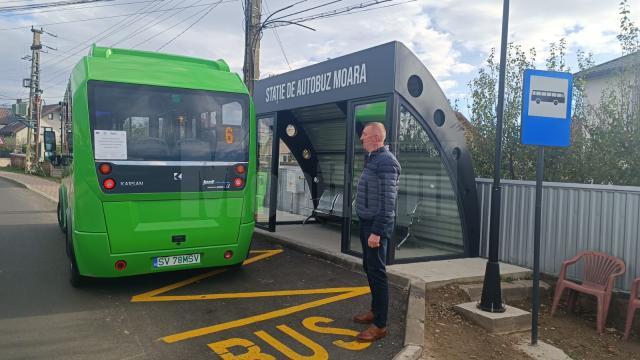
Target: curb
[
  {"x": 21, "y": 184},
  {"x": 416, "y": 311}
]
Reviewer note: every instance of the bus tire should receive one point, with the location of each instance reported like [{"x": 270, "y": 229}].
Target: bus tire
[
  {"x": 61, "y": 222},
  {"x": 75, "y": 279}
]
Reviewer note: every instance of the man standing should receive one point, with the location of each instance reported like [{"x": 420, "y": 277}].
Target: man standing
[{"x": 375, "y": 206}]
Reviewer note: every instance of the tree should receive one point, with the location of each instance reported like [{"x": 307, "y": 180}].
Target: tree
[{"x": 605, "y": 137}]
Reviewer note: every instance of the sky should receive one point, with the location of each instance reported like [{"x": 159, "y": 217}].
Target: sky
[{"x": 451, "y": 37}]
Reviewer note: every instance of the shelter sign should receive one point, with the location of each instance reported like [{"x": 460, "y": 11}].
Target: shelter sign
[{"x": 546, "y": 108}]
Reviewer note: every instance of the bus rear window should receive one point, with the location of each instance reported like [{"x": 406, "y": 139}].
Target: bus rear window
[{"x": 150, "y": 123}]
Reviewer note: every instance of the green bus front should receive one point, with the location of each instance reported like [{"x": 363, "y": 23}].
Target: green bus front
[{"x": 162, "y": 175}]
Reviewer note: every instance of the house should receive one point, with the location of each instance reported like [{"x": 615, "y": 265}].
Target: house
[
  {"x": 6, "y": 117},
  {"x": 12, "y": 127},
  {"x": 620, "y": 74}
]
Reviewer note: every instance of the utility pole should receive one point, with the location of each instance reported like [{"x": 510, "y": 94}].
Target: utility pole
[
  {"x": 251, "y": 68},
  {"x": 34, "y": 95}
]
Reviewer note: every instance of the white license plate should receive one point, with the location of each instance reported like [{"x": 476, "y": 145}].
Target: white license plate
[{"x": 164, "y": 261}]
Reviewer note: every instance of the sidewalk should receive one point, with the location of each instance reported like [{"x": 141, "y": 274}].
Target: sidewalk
[{"x": 44, "y": 187}]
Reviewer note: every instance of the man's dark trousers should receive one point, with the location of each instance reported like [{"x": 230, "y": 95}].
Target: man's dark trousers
[{"x": 374, "y": 262}]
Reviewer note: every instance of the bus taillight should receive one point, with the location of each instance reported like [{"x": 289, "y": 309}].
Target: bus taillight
[
  {"x": 228, "y": 254},
  {"x": 121, "y": 265},
  {"x": 105, "y": 168},
  {"x": 240, "y": 169},
  {"x": 238, "y": 182},
  {"x": 109, "y": 184}
]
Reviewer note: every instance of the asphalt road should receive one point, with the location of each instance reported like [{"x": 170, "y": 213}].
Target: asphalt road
[{"x": 282, "y": 303}]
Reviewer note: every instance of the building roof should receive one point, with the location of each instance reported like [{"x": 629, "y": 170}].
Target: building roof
[
  {"x": 628, "y": 60},
  {"x": 7, "y": 116},
  {"x": 48, "y": 109},
  {"x": 12, "y": 128}
]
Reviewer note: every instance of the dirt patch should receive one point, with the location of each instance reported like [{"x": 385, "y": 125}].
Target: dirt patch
[
  {"x": 575, "y": 333},
  {"x": 450, "y": 336}
]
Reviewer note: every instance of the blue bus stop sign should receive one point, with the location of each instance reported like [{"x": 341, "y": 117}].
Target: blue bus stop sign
[{"x": 546, "y": 108}]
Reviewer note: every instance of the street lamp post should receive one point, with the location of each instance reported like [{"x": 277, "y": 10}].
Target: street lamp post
[{"x": 491, "y": 292}]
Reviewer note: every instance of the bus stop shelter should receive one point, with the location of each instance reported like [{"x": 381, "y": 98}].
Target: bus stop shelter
[{"x": 310, "y": 155}]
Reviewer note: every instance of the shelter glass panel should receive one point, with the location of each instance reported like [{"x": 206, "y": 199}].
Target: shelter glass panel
[
  {"x": 265, "y": 150},
  {"x": 427, "y": 218},
  {"x": 321, "y": 135},
  {"x": 363, "y": 114},
  {"x": 294, "y": 196}
]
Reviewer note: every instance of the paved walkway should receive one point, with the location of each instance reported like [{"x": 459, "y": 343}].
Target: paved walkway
[{"x": 44, "y": 187}]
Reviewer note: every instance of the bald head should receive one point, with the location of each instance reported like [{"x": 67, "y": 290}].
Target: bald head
[{"x": 373, "y": 136}]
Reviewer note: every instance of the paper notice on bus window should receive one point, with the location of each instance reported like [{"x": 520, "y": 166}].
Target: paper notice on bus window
[{"x": 110, "y": 145}]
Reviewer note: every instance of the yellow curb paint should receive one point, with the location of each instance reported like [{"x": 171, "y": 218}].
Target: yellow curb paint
[
  {"x": 353, "y": 292},
  {"x": 150, "y": 295}
]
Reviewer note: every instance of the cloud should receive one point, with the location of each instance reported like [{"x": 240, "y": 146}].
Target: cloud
[{"x": 452, "y": 37}]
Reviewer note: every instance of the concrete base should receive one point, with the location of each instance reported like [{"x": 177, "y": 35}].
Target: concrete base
[
  {"x": 542, "y": 351},
  {"x": 511, "y": 320},
  {"x": 511, "y": 291}
]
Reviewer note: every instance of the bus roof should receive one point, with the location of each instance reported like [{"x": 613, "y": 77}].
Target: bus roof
[{"x": 152, "y": 68}]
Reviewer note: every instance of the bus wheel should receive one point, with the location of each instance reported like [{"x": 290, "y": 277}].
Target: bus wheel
[
  {"x": 75, "y": 279},
  {"x": 60, "y": 219}
]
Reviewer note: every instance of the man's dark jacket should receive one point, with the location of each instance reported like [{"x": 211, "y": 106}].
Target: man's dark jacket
[{"x": 378, "y": 190}]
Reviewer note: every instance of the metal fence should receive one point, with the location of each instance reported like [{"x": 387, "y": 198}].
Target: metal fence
[{"x": 575, "y": 217}]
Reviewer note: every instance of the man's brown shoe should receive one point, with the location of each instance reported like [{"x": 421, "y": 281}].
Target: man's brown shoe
[
  {"x": 364, "y": 318},
  {"x": 373, "y": 333}
]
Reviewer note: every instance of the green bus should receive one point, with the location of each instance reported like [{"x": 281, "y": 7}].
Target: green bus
[{"x": 159, "y": 165}]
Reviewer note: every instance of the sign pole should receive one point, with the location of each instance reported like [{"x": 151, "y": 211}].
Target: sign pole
[{"x": 536, "y": 248}]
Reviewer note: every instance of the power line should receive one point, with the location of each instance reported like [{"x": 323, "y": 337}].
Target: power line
[
  {"x": 189, "y": 27},
  {"x": 94, "y": 38},
  {"x": 46, "y": 5},
  {"x": 164, "y": 30},
  {"x": 275, "y": 32},
  {"x": 111, "y": 17},
  {"x": 153, "y": 22},
  {"x": 309, "y": 9},
  {"x": 78, "y": 8},
  {"x": 278, "y": 22}
]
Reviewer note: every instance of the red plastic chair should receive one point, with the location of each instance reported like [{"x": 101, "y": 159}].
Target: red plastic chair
[
  {"x": 600, "y": 271},
  {"x": 634, "y": 304}
]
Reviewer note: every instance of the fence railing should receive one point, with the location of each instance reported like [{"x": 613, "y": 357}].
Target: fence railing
[{"x": 575, "y": 217}]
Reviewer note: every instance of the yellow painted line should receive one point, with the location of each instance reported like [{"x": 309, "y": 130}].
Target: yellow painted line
[
  {"x": 244, "y": 295},
  {"x": 146, "y": 297},
  {"x": 353, "y": 292}
]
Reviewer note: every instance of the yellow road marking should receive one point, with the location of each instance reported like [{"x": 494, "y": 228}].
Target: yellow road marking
[
  {"x": 244, "y": 295},
  {"x": 154, "y": 293},
  {"x": 319, "y": 353},
  {"x": 353, "y": 292}
]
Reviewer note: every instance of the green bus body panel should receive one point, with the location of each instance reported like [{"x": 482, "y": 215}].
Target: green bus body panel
[
  {"x": 150, "y": 225},
  {"x": 104, "y": 225},
  {"x": 95, "y": 260}
]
